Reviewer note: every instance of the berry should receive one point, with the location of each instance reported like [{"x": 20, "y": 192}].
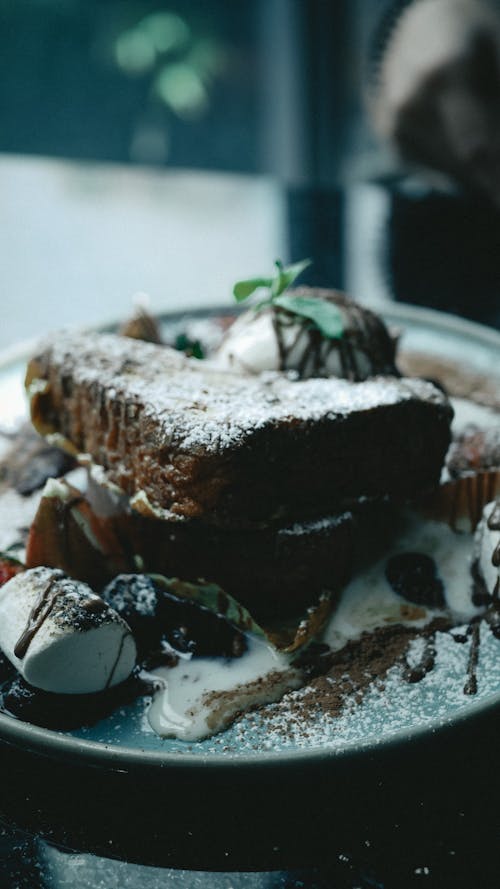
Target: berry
[{"x": 8, "y": 569}]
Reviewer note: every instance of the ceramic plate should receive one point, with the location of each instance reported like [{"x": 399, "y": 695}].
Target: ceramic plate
[{"x": 384, "y": 718}]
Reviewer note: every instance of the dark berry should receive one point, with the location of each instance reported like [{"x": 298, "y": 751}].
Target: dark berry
[
  {"x": 66, "y": 711},
  {"x": 154, "y": 613},
  {"x": 6, "y": 668},
  {"x": 414, "y": 577},
  {"x": 191, "y": 628},
  {"x": 136, "y": 598}
]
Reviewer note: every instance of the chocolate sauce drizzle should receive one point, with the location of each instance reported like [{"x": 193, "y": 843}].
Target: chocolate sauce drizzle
[
  {"x": 414, "y": 576},
  {"x": 491, "y": 617},
  {"x": 425, "y": 664},
  {"x": 43, "y": 607},
  {"x": 494, "y": 525},
  {"x": 363, "y": 333},
  {"x": 117, "y": 660},
  {"x": 38, "y": 615},
  {"x": 470, "y": 687}
]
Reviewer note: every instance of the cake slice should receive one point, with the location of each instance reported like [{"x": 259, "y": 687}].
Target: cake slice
[
  {"x": 185, "y": 440},
  {"x": 272, "y": 571}
]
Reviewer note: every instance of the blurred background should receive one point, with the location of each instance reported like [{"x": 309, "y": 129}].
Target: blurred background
[{"x": 174, "y": 146}]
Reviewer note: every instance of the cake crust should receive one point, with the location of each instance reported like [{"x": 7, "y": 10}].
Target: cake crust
[{"x": 185, "y": 440}]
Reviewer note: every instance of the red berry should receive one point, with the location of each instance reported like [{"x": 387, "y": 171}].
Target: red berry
[{"x": 8, "y": 569}]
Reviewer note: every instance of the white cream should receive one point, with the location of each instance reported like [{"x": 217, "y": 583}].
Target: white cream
[
  {"x": 251, "y": 346},
  {"x": 81, "y": 646},
  {"x": 201, "y": 696},
  {"x": 105, "y": 498},
  {"x": 369, "y": 601},
  {"x": 486, "y": 541}
]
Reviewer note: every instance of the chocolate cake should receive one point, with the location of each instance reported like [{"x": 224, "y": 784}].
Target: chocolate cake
[
  {"x": 274, "y": 571},
  {"x": 187, "y": 441}
]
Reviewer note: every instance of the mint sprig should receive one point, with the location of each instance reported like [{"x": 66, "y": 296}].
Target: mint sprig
[
  {"x": 191, "y": 348},
  {"x": 283, "y": 278},
  {"x": 323, "y": 315},
  {"x": 326, "y": 316}
]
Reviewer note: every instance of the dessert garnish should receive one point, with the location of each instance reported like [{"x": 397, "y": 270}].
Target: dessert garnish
[
  {"x": 311, "y": 331},
  {"x": 326, "y": 317},
  {"x": 61, "y": 636}
]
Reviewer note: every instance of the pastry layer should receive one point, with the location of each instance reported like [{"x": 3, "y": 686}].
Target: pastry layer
[{"x": 185, "y": 440}]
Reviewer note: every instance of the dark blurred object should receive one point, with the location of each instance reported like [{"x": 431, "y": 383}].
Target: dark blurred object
[
  {"x": 142, "y": 326},
  {"x": 274, "y": 87},
  {"x": 30, "y": 461},
  {"x": 262, "y": 86},
  {"x": 443, "y": 251},
  {"x": 437, "y": 96},
  {"x": 130, "y": 80}
]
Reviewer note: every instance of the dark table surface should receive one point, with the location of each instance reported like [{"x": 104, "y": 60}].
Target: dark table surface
[
  {"x": 422, "y": 815},
  {"x": 421, "y": 812}
]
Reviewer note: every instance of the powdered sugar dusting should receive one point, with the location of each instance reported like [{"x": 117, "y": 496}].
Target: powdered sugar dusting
[
  {"x": 387, "y": 707},
  {"x": 199, "y": 408},
  {"x": 317, "y": 526}
]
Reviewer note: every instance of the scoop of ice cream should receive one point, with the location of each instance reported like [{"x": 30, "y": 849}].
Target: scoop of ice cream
[
  {"x": 273, "y": 339},
  {"x": 487, "y": 547},
  {"x": 61, "y": 636}
]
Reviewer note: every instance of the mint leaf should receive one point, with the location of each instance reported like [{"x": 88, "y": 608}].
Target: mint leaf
[
  {"x": 243, "y": 289},
  {"x": 284, "y": 277},
  {"x": 324, "y": 315},
  {"x": 287, "y": 275},
  {"x": 191, "y": 348}
]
